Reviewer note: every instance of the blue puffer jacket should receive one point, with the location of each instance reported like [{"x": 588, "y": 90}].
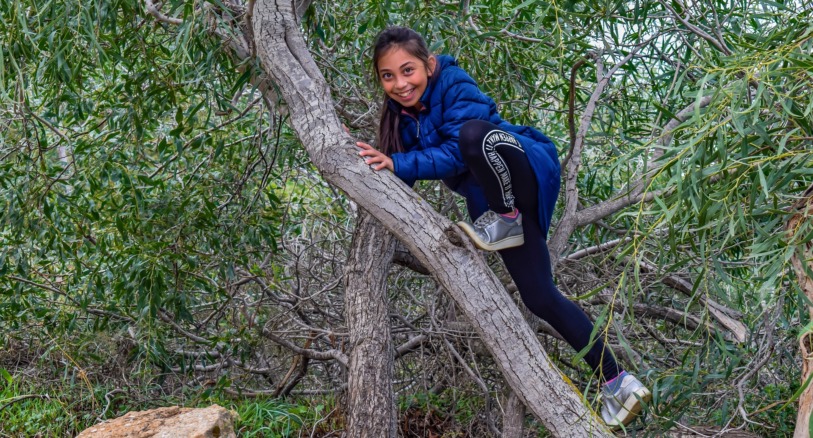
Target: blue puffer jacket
[{"x": 430, "y": 140}]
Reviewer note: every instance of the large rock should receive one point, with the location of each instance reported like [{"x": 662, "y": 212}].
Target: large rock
[{"x": 171, "y": 422}]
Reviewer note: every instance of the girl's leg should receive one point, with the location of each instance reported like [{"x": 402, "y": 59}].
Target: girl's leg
[
  {"x": 485, "y": 149},
  {"x": 530, "y": 267},
  {"x": 501, "y": 167}
]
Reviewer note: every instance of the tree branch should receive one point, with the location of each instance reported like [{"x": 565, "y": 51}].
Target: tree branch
[
  {"x": 571, "y": 111},
  {"x": 566, "y": 225},
  {"x": 153, "y": 10},
  {"x": 718, "y": 311},
  {"x": 634, "y": 193},
  {"x": 597, "y": 248},
  {"x": 676, "y": 317},
  {"x": 718, "y": 44},
  {"x": 310, "y": 353}
]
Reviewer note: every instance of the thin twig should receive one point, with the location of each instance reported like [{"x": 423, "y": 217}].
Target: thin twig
[
  {"x": 477, "y": 380},
  {"x": 24, "y": 397},
  {"x": 107, "y": 399}
]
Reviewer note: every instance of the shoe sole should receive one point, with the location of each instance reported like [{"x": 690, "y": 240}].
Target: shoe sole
[
  {"x": 508, "y": 242},
  {"x": 632, "y": 407}
]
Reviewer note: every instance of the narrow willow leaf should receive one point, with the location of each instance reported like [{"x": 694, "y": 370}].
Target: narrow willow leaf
[
  {"x": 6, "y": 376},
  {"x": 763, "y": 183}
]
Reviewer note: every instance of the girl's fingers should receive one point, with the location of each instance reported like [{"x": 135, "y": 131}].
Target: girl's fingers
[
  {"x": 372, "y": 154},
  {"x": 371, "y": 157},
  {"x": 385, "y": 163},
  {"x": 374, "y": 157}
]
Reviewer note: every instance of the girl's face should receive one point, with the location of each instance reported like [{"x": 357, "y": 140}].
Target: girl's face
[{"x": 404, "y": 77}]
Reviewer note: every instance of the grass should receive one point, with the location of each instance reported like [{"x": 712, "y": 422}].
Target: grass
[
  {"x": 27, "y": 411},
  {"x": 29, "y": 408}
]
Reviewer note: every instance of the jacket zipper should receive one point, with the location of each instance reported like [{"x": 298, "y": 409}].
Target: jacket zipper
[{"x": 417, "y": 122}]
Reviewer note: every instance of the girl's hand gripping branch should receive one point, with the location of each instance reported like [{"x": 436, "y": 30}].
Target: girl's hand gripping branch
[{"x": 375, "y": 158}]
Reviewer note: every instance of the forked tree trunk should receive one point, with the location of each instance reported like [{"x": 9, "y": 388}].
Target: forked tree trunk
[
  {"x": 370, "y": 405},
  {"x": 800, "y": 225},
  {"x": 431, "y": 238}
]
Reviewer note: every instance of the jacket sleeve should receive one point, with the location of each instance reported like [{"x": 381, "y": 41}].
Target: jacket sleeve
[{"x": 461, "y": 101}]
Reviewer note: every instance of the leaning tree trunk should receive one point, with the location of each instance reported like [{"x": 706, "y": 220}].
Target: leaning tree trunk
[
  {"x": 433, "y": 239},
  {"x": 800, "y": 225},
  {"x": 370, "y": 404}
]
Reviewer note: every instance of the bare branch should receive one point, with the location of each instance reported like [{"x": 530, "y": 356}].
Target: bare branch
[
  {"x": 166, "y": 318},
  {"x": 479, "y": 381},
  {"x": 601, "y": 210},
  {"x": 48, "y": 125},
  {"x": 571, "y": 110},
  {"x": 301, "y": 7},
  {"x": 100, "y": 417},
  {"x": 597, "y": 248},
  {"x": 331, "y": 354},
  {"x": 680, "y": 117},
  {"x": 153, "y": 10},
  {"x": 635, "y": 191},
  {"x": 504, "y": 30},
  {"x": 410, "y": 345},
  {"x": 718, "y": 311},
  {"x": 676, "y": 317}
]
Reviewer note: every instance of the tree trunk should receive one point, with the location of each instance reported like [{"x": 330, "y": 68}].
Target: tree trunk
[
  {"x": 433, "y": 239},
  {"x": 514, "y": 418},
  {"x": 370, "y": 404},
  {"x": 798, "y": 225}
]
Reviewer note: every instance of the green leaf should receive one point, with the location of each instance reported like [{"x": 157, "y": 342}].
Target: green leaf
[
  {"x": 6, "y": 376},
  {"x": 525, "y": 4}
]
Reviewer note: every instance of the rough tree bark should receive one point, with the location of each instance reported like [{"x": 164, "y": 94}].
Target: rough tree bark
[
  {"x": 514, "y": 419},
  {"x": 797, "y": 226},
  {"x": 370, "y": 404},
  {"x": 434, "y": 240}
]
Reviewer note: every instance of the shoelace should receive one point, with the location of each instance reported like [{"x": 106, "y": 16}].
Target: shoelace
[{"x": 487, "y": 218}]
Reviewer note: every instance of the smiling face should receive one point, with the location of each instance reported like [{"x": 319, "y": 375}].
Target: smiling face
[{"x": 404, "y": 77}]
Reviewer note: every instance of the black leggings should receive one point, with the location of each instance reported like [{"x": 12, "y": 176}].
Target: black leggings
[{"x": 498, "y": 162}]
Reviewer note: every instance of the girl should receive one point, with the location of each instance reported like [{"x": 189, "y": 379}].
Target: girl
[{"x": 437, "y": 124}]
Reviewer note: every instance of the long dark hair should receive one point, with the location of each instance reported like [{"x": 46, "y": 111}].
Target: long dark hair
[{"x": 389, "y": 139}]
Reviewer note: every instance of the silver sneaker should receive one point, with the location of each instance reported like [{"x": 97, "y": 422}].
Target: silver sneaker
[
  {"x": 621, "y": 407},
  {"x": 492, "y": 233}
]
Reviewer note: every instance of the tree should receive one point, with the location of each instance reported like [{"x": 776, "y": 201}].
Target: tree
[
  {"x": 801, "y": 265},
  {"x": 428, "y": 236},
  {"x": 371, "y": 407}
]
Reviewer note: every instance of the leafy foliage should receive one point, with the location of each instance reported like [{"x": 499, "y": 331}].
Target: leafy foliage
[{"x": 153, "y": 201}]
